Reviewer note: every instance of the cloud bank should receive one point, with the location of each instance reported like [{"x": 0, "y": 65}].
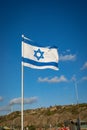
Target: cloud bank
[
  {"x": 68, "y": 57},
  {"x": 26, "y": 100},
  {"x": 55, "y": 79},
  {"x": 5, "y": 108},
  {"x": 84, "y": 67},
  {"x": 84, "y": 78}
]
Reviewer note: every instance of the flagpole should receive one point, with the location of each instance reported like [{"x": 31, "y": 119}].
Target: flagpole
[{"x": 22, "y": 90}]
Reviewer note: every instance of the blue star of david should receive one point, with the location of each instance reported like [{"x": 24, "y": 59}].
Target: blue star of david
[{"x": 38, "y": 54}]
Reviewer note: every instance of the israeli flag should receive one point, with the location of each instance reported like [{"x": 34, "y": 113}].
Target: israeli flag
[{"x": 39, "y": 57}]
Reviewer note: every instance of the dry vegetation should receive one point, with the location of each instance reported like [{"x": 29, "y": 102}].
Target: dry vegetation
[{"x": 43, "y": 117}]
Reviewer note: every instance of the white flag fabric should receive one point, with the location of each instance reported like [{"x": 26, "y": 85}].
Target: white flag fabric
[{"x": 39, "y": 57}]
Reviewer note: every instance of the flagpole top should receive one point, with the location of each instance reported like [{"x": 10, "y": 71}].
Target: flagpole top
[{"x": 22, "y": 36}]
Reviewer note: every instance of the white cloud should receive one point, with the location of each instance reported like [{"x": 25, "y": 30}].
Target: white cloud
[
  {"x": 26, "y": 100},
  {"x": 1, "y": 98},
  {"x": 15, "y": 101},
  {"x": 5, "y": 108},
  {"x": 43, "y": 79},
  {"x": 68, "y": 57},
  {"x": 84, "y": 66},
  {"x": 55, "y": 79},
  {"x": 84, "y": 78},
  {"x": 30, "y": 100}
]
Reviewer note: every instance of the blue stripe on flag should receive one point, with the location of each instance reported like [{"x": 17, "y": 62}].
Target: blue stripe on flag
[{"x": 25, "y": 60}]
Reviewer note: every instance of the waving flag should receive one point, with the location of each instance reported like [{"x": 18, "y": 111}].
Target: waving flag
[{"x": 39, "y": 57}]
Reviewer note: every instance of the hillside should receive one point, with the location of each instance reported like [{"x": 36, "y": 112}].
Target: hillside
[{"x": 43, "y": 117}]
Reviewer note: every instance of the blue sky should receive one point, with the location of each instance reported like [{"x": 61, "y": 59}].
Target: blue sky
[{"x": 62, "y": 23}]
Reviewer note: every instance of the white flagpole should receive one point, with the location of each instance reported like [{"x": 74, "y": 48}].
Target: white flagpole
[
  {"x": 22, "y": 86},
  {"x": 22, "y": 90}
]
